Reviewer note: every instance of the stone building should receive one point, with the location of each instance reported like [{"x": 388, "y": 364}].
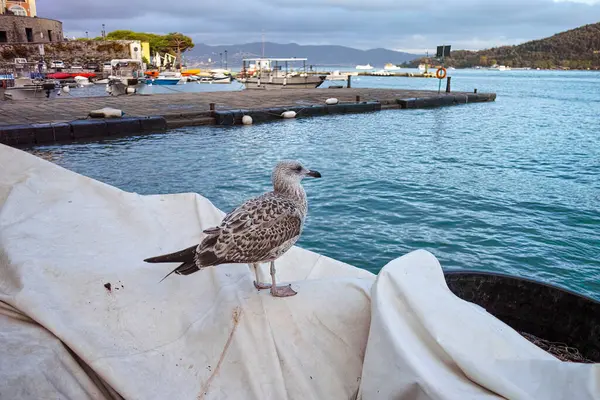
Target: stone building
[{"x": 19, "y": 24}]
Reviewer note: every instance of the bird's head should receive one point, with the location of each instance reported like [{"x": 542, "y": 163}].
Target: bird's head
[{"x": 289, "y": 174}]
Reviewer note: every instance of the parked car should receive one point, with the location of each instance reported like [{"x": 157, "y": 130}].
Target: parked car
[
  {"x": 107, "y": 66},
  {"x": 94, "y": 66},
  {"x": 76, "y": 66},
  {"x": 57, "y": 64}
]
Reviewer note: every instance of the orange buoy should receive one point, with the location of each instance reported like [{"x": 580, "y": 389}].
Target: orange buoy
[{"x": 440, "y": 73}]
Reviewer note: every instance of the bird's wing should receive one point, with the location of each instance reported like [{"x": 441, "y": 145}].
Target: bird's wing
[{"x": 252, "y": 231}]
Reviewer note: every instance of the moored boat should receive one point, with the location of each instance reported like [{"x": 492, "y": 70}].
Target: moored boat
[
  {"x": 126, "y": 77},
  {"x": 277, "y": 73},
  {"x": 31, "y": 89},
  {"x": 166, "y": 78}
]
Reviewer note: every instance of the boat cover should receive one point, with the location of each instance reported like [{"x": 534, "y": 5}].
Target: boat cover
[{"x": 82, "y": 316}]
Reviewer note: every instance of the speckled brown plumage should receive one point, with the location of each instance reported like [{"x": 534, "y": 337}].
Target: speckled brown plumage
[{"x": 260, "y": 230}]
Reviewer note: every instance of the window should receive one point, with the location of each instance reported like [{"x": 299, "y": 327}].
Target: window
[
  {"x": 29, "y": 34},
  {"x": 18, "y": 10},
  {"x": 49, "y": 35},
  {"x": 3, "y": 37}
]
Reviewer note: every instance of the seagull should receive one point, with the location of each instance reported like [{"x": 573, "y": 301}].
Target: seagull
[{"x": 259, "y": 231}]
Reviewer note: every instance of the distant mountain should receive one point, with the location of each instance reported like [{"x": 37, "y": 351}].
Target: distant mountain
[
  {"x": 317, "y": 55},
  {"x": 577, "y": 48}
]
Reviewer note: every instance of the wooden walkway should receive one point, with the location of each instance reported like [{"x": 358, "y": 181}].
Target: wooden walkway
[{"x": 194, "y": 107}]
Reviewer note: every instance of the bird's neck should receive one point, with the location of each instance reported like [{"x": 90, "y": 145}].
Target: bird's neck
[{"x": 294, "y": 192}]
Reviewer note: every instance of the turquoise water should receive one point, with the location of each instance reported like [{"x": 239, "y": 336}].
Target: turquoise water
[{"x": 510, "y": 186}]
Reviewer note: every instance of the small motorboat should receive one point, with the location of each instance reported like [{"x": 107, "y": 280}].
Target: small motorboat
[
  {"x": 166, "y": 78},
  {"x": 221, "y": 78},
  {"x": 31, "y": 89},
  {"x": 82, "y": 81},
  {"x": 163, "y": 80},
  {"x": 126, "y": 78}
]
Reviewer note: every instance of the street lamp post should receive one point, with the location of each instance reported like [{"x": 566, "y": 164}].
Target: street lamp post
[
  {"x": 221, "y": 59},
  {"x": 225, "y": 59}
]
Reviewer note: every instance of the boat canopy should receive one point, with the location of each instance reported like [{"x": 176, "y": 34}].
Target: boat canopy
[{"x": 116, "y": 62}]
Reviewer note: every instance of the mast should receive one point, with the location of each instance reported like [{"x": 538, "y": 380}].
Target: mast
[{"x": 263, "y": 43}]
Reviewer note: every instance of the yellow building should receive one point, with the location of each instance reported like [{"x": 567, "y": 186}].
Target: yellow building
[
  {"x": 23, "y": 8},
  {"x": 146, "y": 50}
]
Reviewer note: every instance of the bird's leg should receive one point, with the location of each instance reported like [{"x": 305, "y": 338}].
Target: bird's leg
[
  {"x": 257, "y": 283},
  {"x": 280, "y": 291}
]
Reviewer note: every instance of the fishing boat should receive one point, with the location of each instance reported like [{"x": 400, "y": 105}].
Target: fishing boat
[
  {"x": 24, "y": 89},
  {"x": 277, "y": 73},
  {"x": 126, "y": 77}
]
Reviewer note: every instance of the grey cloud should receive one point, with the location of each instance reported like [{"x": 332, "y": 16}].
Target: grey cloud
[{"x": 355, "y": 23}]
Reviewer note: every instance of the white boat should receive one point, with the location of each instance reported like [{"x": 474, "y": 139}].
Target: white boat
[
  {"x": 32, "y": 89},
  {"x": 220, "y": 71},
  {"x": 126, "y": 77},
  {"x": 337, "y": 76},
  {"x": 167, "y": 78},
  {"x": 82, "y": 81},
  {"x": 422, "y": 67},
  {"x": 391, "y": 67},
  {"x": 500, "y": 68},
  {"x": 221, "y": 78},
  {"x": 277, "y": 73},
  {"x": 364, "y": 67}
]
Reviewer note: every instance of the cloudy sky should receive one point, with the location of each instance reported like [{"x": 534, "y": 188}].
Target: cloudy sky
[{"x": 413, "y": 26}]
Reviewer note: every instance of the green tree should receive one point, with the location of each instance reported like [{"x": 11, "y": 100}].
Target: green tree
[
  {"x": 158, "y": 43},
  {"x": 179, "y": 42}
]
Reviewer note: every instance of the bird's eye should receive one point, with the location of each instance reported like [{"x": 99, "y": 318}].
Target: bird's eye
[{"x": 298, "y": 168}]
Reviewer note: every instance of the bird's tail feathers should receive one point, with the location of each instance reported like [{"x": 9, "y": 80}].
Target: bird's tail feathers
[{"x": 184, "y": 269}]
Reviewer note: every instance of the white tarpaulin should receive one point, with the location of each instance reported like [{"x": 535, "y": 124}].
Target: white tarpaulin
[{"x": 66, "y": 334}]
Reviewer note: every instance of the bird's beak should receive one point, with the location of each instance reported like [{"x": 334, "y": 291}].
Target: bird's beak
[{"x": 314, "y": 174}]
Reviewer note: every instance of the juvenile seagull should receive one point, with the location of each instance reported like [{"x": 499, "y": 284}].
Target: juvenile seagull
[{"x": 260, "y": 230}]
